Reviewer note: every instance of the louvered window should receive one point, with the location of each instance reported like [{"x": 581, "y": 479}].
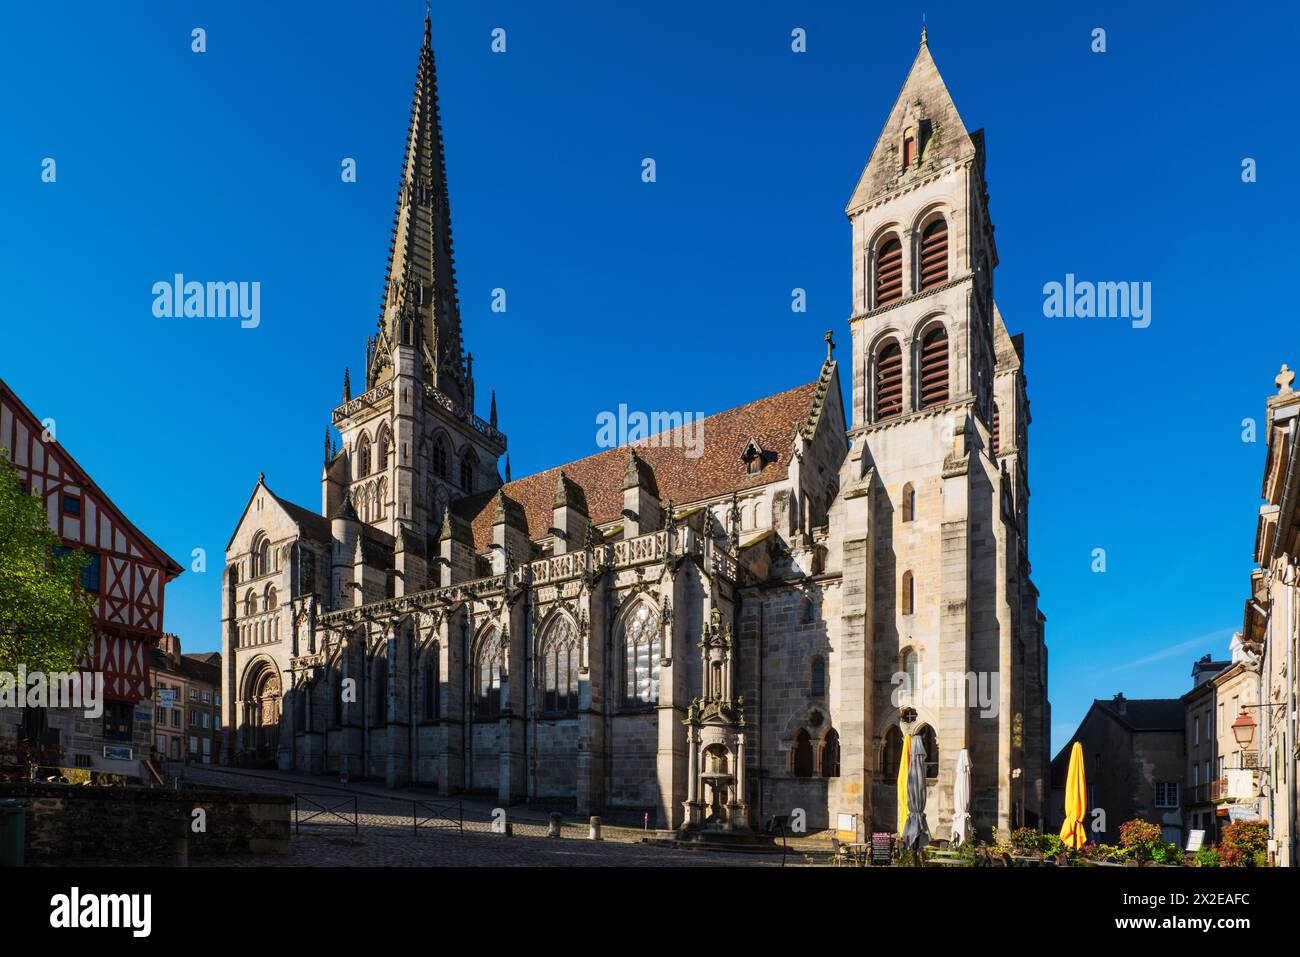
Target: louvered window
[
  {"x": 996, "y": 429},
  {"x": 889, "y": 382},
  {"x": 889, "y": 272},
  {"x": 934, "y": 254},
  {"x": 934, "y": 368}
]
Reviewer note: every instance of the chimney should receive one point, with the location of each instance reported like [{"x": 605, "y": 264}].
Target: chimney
[{"x": 1121, "y": 703}]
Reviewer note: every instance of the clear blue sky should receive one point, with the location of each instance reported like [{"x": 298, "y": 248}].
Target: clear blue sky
[{"x": 674, "y": 295}]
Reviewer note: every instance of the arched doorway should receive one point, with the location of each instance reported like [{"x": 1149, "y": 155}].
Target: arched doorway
[{"x": 262, "y": 724}]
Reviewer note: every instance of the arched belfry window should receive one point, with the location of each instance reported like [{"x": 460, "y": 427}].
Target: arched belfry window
[
  {"x": 560, "y": 668},
  {"x": 892, "y": 754},
  {"x": 926, "y": 734},
  {"x": 889, "y": 381},
  {"x": 830, "y": 758},
  {"x": 889, "y": 271},
  {"x": 801, "y": 759},
  {"x": 909, "y": 502},
  {"x": 487, "y": 677},
  {"x": 934, "y": 254},
  {"x": 933, "y": 376},
  {"x": 642, "y": 649}
]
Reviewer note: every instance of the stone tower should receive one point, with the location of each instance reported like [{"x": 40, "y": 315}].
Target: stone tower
[
  {"x": 411, "y": 443},
  {"x": 935, "y": 509}
]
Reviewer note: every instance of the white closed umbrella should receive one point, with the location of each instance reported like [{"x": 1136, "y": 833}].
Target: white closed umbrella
[{"x": 961, "y": 827}]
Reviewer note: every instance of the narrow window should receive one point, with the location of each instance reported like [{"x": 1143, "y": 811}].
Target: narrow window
[
  {"x": 889, "y": 382},
  {"x": 909, "y": 151},
  {"x": 934, "y": 368},
  {"x": 441, "y": 459},
  {"x": 818, "y": 683},
  {"x": 996, "y": 429},
  {"x": 909, "y": 502},
  {"x": 432, "y": 684},
  {"x": 908, "y": 599},
  {"x": 363, "y": 457}
]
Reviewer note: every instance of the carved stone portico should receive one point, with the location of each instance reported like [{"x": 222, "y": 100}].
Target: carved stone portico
[{"x": 715, "y": 728}]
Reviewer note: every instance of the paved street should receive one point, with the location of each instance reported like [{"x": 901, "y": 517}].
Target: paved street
[{"x": 385, "y": 836}]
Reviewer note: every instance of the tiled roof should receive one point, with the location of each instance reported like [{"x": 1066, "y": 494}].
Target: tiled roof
[
  {"x": 718, "y": 470},
  {"x": 316, "y": 527}
]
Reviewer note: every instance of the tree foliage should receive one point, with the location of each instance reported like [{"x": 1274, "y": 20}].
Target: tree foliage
[{"x": 46, "y": 620}]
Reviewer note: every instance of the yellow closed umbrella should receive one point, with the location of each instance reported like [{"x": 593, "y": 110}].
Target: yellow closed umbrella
[
  {"x": 902, "y": 781},
  {"x": 1073, "y": 832}
]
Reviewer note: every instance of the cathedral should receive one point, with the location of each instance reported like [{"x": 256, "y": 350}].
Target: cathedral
[{"x": 716, "y": 637}]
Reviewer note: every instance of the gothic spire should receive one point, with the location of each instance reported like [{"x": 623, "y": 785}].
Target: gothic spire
[
  {"x": 347, "y": 385},
  {"x": 420, "y": 305}
]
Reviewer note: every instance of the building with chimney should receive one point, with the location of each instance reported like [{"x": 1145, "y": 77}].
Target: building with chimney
[
  {"x": 187, "y": 704},
  {"x": 714, "y": 641}
]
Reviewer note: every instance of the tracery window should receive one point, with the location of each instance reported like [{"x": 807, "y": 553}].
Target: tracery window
[
  {"x": 441, "y": 458},
  {"x": 468, "y": 465},
  {"x": 560, "y": 668},
  {"x": 384, "y": 443},
  {"x": 487, "y": 677},
  {"x": 363, "y": 456},
  {"x": 642, "y": 649}
]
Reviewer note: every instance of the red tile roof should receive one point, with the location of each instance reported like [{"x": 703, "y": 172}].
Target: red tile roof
[{"x": 718, "y": 470}]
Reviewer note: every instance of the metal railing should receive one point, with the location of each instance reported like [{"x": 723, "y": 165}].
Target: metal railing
[
  {"x": 438, "y": 815},
  {"x": 326, "y": 810}
]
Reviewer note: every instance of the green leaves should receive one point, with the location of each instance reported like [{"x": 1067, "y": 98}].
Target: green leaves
[{"x": 46, "y": 620}]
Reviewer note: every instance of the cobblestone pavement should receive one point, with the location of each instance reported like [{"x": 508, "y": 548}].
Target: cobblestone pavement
[{"x": 385, "y": 836}]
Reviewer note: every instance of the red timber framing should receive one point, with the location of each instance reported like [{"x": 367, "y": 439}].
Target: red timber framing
[{"x": 132, "y": 570}]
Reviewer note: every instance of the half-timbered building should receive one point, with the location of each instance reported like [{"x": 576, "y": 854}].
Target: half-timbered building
[
  {"x": 716, "y": 639},
  {"x": 125, "y": 572}
]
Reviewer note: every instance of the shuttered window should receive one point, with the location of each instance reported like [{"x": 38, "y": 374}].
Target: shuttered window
[
  {"x": 934, "y": 368},
  {"x": 889, "y": 272},
  {"x": 889, "y": 382},
  {"x": 996, "y": 429},
  {"x": 934, "y": 254}
]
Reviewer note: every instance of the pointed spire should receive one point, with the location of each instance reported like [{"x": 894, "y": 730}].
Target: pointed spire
[
  {"x": 492, "y": 416},
  {"x": 347, "y": 384},
  {"x": 507, "y": 467},
  {"x": 923, "y": 37},
  {"x": 327, "y": 445},
  {"x": 420, "y": 302}
]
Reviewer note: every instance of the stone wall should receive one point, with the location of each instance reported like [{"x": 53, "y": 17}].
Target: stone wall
[{"x": 69, "y": 822}]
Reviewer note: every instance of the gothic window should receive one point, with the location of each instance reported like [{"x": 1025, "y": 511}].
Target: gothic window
[
  {"x": 926, "y": 735},
  {"x": 270, "y": 602},
  {"x": 468, "y": 465},
  {"x": 909, "y": 502},
  {"x": 892, "y": 755},
  {"x": 560, "y": 668},
  {"x": 441, "y": 458},
  {"x": 908, "y": 598},
  {"x": 933, "y": 380},
  {"x": 379, "y": 684},
  {"x": 487, "y": 678},
  {"x": 934, "y": 254},
  {"x": 801, "y": 759},
  {"x": 641, "y": 654},
  {"x": 432, "y": 684},
  {"x": 995, "y": 430},
  {"x": 363, "y": 456},
  {"x": 889, "y": 271},
  {"x": 889, "y": 381},
  {"x": 830, "y": 762},
  {"x": 385, "y": 441}
]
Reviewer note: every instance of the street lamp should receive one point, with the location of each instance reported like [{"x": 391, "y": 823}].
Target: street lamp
[{"x": 1243, "y": 729}]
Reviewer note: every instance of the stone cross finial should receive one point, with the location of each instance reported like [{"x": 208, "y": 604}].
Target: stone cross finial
[
  {"x": 830, "y": 344},
  {"x": 1284, "y": 380}
]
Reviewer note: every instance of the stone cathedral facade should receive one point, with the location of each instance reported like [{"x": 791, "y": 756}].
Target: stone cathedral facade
[{"x": 715, "y": 640}]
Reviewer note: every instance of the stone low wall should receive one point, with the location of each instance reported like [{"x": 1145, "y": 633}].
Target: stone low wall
[{"x": 70, "y": 822}]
